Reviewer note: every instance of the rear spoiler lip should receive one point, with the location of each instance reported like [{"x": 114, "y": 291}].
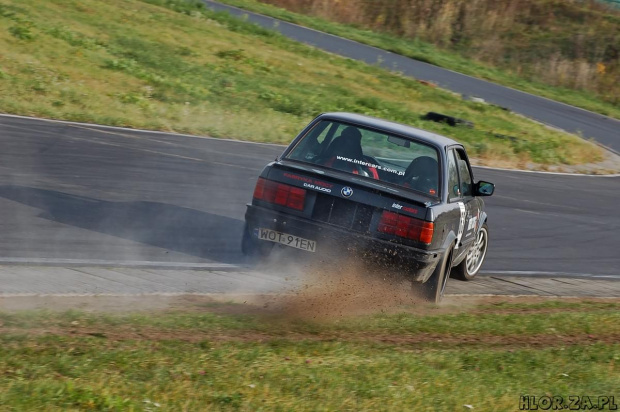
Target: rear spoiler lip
[{"x": 405, "y": 195}]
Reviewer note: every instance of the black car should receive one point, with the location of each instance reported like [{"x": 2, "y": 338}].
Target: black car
[{"x": 384, "y": 189}]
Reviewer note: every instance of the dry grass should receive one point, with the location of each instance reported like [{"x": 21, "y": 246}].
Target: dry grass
[
  {"x": 566, "y": 43},
  {"x": 207, "y": 73}
]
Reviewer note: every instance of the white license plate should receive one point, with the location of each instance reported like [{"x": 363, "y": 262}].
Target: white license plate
[{"x": 286, "y": 239}]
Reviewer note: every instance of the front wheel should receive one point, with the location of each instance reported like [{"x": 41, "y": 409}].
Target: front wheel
[
  {"x": 433, "y": 289},
  {"x": 470, "y": 266}
]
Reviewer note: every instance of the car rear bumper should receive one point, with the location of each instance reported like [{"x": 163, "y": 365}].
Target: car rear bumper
[{"x": 332, "y": 239}]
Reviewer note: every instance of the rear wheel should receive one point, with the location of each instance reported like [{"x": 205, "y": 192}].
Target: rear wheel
[
  {"x": 470, "y": 266},
  {"x": 252, "y": 247},
  {"x": 433, "y": 289}
]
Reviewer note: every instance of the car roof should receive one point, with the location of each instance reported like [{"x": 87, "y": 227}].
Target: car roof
[{"x": 393, "y": 127}]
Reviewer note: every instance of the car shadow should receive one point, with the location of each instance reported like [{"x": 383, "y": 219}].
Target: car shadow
[{"x": 175, "y": 228}]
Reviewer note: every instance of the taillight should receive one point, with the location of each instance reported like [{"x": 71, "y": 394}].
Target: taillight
[
  {"x": 405, "y": 226},
  {"x": 280, "y": 194}
]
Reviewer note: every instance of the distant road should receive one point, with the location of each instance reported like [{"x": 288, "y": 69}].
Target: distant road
[
  {"x": 71, "y": 192},
  {"x": 604, "y": 130}
]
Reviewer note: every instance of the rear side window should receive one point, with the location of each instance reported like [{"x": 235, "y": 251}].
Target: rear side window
[
  {"x": 371, "y": 154},
  {"x": 464, "y": 174},
  {"x": 454, "y": 191},
  {"x": 459, "y": 176}
]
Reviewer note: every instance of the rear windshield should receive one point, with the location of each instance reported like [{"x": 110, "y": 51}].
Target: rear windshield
[{"x": 371, "y": 154}]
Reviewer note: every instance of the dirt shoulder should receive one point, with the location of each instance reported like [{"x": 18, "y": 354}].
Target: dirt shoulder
[
  {"x": 269, "y": 304},
  {"x": 275, "y": 312}
]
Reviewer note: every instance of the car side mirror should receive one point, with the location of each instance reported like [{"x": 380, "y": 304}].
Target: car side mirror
[{"x": 483, "y": 188}]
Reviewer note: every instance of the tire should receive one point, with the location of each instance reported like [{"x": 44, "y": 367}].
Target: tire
[
  {"x": 470, "y": 266},
  {"x": 433, "y": 289},
  {"x": 450, "y": 120},
  {"x": 254, "y": 248}
]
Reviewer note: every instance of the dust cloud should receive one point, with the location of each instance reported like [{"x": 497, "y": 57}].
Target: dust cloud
[{"x": 324, "y": 291}]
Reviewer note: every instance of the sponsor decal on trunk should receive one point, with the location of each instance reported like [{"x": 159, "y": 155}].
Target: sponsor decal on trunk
[
  {"x": 310, "y": 183},
  {"x": 405, "y": 208},
  {"x": 319, "y": 188}
]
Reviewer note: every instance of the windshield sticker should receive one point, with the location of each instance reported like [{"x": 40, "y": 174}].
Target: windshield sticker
[{"x": 367, "y": 164}]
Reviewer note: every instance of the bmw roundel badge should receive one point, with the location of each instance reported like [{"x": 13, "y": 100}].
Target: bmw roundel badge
[{"x": 346, "y": 191}]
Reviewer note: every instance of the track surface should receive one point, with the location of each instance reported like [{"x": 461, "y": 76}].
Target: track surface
[
  {"x": 603, "y": 129},
  {"x": 85, "y": 192}
]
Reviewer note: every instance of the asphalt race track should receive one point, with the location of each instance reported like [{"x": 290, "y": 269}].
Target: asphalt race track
[
  {"x": 71, "y": 191},
  {"x": 603, "y": 129}
]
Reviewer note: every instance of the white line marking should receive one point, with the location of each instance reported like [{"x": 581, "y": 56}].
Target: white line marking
[
  {"x": 249, "y": 142},
  {"x": 107, "y": 143},
  {"x": 77, "y": 295},
  {"x": 148, "y": 139},
  {"x": 227, "y": 266},
  {"x": 543, "y": 173},
  {"x": 535, "y": 273},
  {"x": 137, "y": 130},
  {"x": 118, "y": 263},
  {"x": 266, "y": 294},
  {"x": 485, "y": 295}
]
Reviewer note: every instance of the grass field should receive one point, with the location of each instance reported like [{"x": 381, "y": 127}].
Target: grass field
[
  {"x": 526, "y": 53},
  {"x": 209, "y": 356},
  {"x": 137, "y": 64}
]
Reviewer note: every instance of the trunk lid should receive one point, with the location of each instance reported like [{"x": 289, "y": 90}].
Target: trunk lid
[{"x": 345, "y": 201}]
